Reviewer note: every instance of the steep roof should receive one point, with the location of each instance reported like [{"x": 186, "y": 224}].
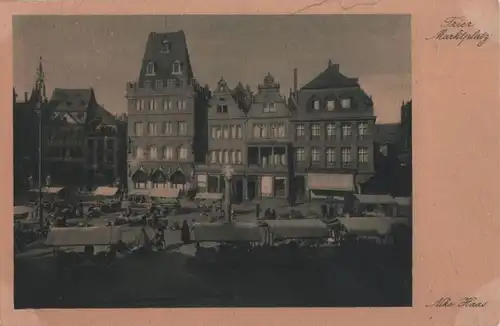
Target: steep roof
[
  {"x": 75, "y": 100},
  {"x": 331, "y": 78},
  {"x": 163, "y": 61}
]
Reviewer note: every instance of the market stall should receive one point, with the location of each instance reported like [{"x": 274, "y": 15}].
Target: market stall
[{"x": 208, "y": 199}]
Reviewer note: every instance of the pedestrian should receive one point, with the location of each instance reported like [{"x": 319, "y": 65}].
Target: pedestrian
[
  {"x": 185, "y": 233},
  {"x": 273, "y": 214},
  {"x": 324, "y": 210},
  {"x": 257, "y": 211}
]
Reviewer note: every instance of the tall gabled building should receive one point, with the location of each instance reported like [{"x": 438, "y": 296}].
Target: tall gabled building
[
  {"x": 226, "y": 131},
  {"x": 333, "y": 126},
  {"x": 166, "y": 107}
]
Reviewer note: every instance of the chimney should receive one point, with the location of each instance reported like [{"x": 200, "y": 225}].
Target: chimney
[
  {"x": 25, "y": 96},
  {"x": 329, "y": 63},
  {"x": 295, "y": 79}
]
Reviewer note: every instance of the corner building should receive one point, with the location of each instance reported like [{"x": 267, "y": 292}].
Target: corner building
[
  {"x": 333, "y": 134},
  {"x": 166, "y": 107}
]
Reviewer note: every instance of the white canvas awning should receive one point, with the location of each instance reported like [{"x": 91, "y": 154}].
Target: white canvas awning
[
  {"x": 209, "y": 196},
  {"x": 304, "y": 228},
  {"x": 22, "y": 210},
  {"x": 223, "y": 232},
  {"x": 324, "y": 181},
  {"x": 403, "y": 201},
  {"x": 82, "y": 236},
  {"x": 165, "y": 193},
  {"x": 375, "y": 199},
  {"x": 105, "y": 191},
  {"x": 49, "y": 190}
]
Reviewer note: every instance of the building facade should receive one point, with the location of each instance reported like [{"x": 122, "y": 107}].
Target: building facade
[
  {"x": 268, "y": 143},
  {"x": 226, "y": 136},
  {"x": 333, "y": 126},
  {"x": 166, "y": 106},
  {"x": 81, "y": 141}
]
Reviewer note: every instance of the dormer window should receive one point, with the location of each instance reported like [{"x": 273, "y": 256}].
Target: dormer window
[
  {"x": 150, "y": 68},
  {"x": 165, "y": 47},
  {"x": 315, "y": 105},
  {"x": 222, "y": 108},
  {"x": 176, "y": 68},
  {"x": 269, "y": 107},
  {"x": 330, "y": 105},
  {"x": 345, "y": 103}
]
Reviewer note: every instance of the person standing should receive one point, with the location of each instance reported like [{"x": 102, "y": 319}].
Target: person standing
[
  {"x": 185, "y": 233},
  {"x": 257, "y": 211}
]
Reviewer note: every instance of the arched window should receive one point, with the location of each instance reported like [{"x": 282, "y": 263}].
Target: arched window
[
  {"x": 139, "y": 153},
  {"x": 150, "y": 68},
  {"x": 165, "y": 46},
  {"x": 176, "y": 68}
]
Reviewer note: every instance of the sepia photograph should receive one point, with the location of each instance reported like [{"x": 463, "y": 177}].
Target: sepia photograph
[{"x": 212, "y": 161}]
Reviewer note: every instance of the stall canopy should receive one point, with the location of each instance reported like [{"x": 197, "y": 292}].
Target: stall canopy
[
  {"x": 375, "y": 199},
  {"x": 140, "y": 192},
  {"x": 49, "y": 190},
  {"x": 297, "y": 229},
  {"x": 165, "y": 193},
  {"x": 331, "y": 182},
  {"x": 403, "y": 201},
  {"x": 227, "y": 232},
  {"x": 105, "y": 191},
  {"x": 209, "y": 196},
  {"x": 82, "y": 236},
  {"x": 21, "y": 212}
]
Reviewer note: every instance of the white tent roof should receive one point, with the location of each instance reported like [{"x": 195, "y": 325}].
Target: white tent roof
[
  {"x": 209, "y": 195},
  {"x": 140, "y": 192},
  {"x": 105, "y": 191},
  {"x": 403, "y": 201},
  {"x": 20, "y": 210},
  {"x": 376, "y": 199},
  {"x": 165, "y": 192},
  {"x": 49, "y": 190}
]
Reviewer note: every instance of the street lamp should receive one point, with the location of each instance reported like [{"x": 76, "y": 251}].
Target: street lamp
[{"x": 228, "y": 174}]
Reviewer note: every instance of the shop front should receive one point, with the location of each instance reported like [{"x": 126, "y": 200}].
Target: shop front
[{"x": 330, "y": 185}]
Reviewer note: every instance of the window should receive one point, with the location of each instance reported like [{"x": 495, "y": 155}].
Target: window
[
  {"x": 147, "y": 84},
  {"x": 226, "y": 157},
  {"x": 167, "y": 105},
  {"x": 233, "y": 132},
  {"x": 222, "y": 108},
  {"x": 331, "y": 130},
  {"x": 330, "y": 105},
  {"x": 167, "y": 128},
  {"x": 165, "y": 47},
  {"x": 182, "y": 105},
  {"x": 140, "y": 105},
  {"x": 151, "y": 128},
  {"x": 315, "y": 154},
  {"x": 233, "y": 157},
  {"x": 269, "y": 107},
  {"x": 220, "y": 154},
  {"x": 346, "y": 155},
  {"x": 152, "y": 105},
  {"x": 168, "y": 153},
  {"x": 315, "y": 105},
  {"x": 239, "y": 133},
  {"x": 299, "y": 130},
  {"x": 159, "y": 84},
  {"x": 214, "y": 132},
  {"x": 217, "y": 132},
  {"x": 182, "y": 128},
  {"x": 362, "y": 130},
  {"x": 315, "y": 130},
  {"x": 183, "y": 153},
  {"x": 213, "y": 157},
  {"x": 299, "y": 155},
  {"x": 345, "y": 103},
  {"x": 256, "y": 131},
  {"x": 274, "y": 131},
  {"x": 139, "y": 153},
  {"x": 346, "y": 131},
  {"x": 264, "y": 131},
  {"x": 330, "y": 155},
  {"x": 138, "y": 128},
  {"x": 176, "y": 68},
  {"x": 225, "y": 133},
  {"x": 150, "y": 69},
  {"x": 238, "y": 157},
  {"x": 153, "y": 153},
  {"x": 362, "y": 155},
  {"x": 281, "y": 131}
]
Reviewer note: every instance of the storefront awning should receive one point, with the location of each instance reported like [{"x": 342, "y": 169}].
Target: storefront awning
[
  {"x": 375, "y": 199},
  {"x": 323, "y": 181},
  {"x": 403, "y": 201},
  {"x": 105, "y": 191},
  {"x": 333, "y": 195},
  {"x": 49, "y": 190},
  {"x": 209, "y": 196},
  {"x": 164, "y": 193},
  {"x": 22, "y": 210}
]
